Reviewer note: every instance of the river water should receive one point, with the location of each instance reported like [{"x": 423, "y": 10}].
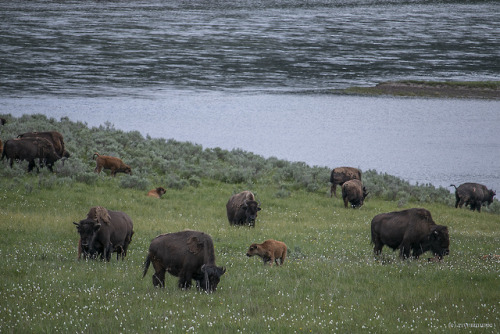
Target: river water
[{"x": 255, "y": 75}]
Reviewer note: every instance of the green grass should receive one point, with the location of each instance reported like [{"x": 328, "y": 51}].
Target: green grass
[{"x": 329, "y": 283}]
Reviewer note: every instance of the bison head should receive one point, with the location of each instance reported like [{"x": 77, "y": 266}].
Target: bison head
[
  {"x": 87, "y": 229},
  {"x": 211, "y": 277},
  {"x": 253, "y": 250},
  {"x": 439, "y": 241},
  {"x": 251, "y": 208}
]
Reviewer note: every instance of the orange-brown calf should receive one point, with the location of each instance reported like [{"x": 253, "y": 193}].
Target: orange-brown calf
[
  {"x": 157, "y": 193},
  {"x": 270, "y": 251},
  {"x": 116, "y": 165}
]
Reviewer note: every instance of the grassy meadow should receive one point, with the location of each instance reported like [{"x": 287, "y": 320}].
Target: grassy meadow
[{"x": 330, "y": 282}]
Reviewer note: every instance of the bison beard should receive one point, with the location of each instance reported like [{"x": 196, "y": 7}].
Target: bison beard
[{"x": 188, "y": 255}]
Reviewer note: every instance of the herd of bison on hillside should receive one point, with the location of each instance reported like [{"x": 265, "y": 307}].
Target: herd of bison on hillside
[{"x": 189, "y": 255}]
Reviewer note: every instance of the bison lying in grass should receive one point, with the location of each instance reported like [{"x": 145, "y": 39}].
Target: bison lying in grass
[
  {"x": 157, "y": 193},
  {"x": 270, "y": 251}
]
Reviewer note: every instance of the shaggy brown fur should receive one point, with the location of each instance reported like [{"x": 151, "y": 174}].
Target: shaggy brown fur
[
  {"x": 116, "y": 165},
  {"x": 270, "y": 251},
  {"x": 157, "y": 193},
  {"x": 99, "y": 214}
]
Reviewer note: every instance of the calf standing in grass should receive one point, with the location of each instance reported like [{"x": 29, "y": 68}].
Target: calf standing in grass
[
  {"x": 116, "y": 165},
  {"x": 270, "y": 251}
]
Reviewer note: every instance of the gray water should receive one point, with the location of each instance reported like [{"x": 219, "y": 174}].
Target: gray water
[{"x": 255, "y": 75}]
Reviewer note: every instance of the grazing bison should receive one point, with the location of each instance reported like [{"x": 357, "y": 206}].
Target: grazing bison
[
  {"x": 242, "y": 209},
  {"x": 116, "y": 165},
  {"x": 157, "y": 193},
  {"x": 354, "y": 192},
  {"x": 54, "y": 137},
  {"x": 474, "y": 195},
  {"x": 104, "y": 232},
  {"x": 188, "y": 255},
  {"x": 411, "y": 230},
  {"x": 30, "y": 149},
  {"x": 270, "y": 251},
  {"x": 340, "y": 175}
]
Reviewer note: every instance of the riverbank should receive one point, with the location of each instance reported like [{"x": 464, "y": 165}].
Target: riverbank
[{"x": 470, "y": 90}]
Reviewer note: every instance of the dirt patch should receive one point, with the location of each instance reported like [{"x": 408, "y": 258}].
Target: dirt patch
[{"x": 439, "y": 90}]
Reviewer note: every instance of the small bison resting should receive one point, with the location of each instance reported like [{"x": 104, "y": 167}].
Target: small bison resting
[
  {"x": 354, "y": 193},
  {"x": 157, "y": 193},
  {"x": 270, "y": 251},
  {"x": 340, "y": 175},
  {"x": 188, "y": 255},
  {"x": 242, "y": 209},
  {"x": 474, "y": 195},
  {"x": 116, "y": 165},
  {"x": 104, "y": 232},
  {"x": 411, "y": 230}
]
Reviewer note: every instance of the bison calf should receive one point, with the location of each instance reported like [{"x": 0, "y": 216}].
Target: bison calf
[
  {"x": 114, "y": 164},
  {"x": 354, "y": 193},
  {"x": 270, "y": 251},
  {"x": 157, "y": 193}
]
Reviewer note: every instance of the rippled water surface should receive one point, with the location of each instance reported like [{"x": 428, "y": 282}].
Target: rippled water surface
[{"x": 254, "y": 75}]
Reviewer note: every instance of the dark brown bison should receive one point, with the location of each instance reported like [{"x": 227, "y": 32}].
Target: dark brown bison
[
  {"x": 3, "y": 121},
  {"x": 411, "y": 230},
  {"x": 30, "y": 149},
  {"x": 340, "y": 175},
  {"x": 188, "y": 255},
  {"x": 354, "y": 192},
  {"x": 270, "y": 251},
  {"x": 104, "y": 232},
  {"x": 242, "y": 209},
  {"x": 474, "y": 195},
  {"x": 54, "y": 137},
  {"x": 116, "y": 165},
  {"x": 157, "y": 193}
]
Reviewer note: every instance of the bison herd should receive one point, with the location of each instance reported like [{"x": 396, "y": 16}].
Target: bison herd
[{"x": 189, "y": 255}]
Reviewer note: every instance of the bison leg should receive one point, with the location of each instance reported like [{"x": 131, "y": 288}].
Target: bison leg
[
  {"x": 159, "y": 275},
  {"x": 185, "y": 280},
  {"x": 345, "y": 202},
  {"x": 333, "y": 190},
  {"x": 404, "y": 251}
]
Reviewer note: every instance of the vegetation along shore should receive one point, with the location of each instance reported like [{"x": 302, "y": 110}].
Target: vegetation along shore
[
  {"x": 447, "y": 89},
  {"x": 330, "y": 282}
]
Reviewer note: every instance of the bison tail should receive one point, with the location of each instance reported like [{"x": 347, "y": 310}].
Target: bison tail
[
  {"x": 146, "y": 266},
  {"x": 452, "y": 185},
  {"x": 95, "y": 154}
]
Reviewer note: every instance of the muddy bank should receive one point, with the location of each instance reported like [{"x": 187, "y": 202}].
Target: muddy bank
[{"x": 469, "y": 90}]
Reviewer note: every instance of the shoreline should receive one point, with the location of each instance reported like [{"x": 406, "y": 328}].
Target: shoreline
[{"x": 489, "y": 90}]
